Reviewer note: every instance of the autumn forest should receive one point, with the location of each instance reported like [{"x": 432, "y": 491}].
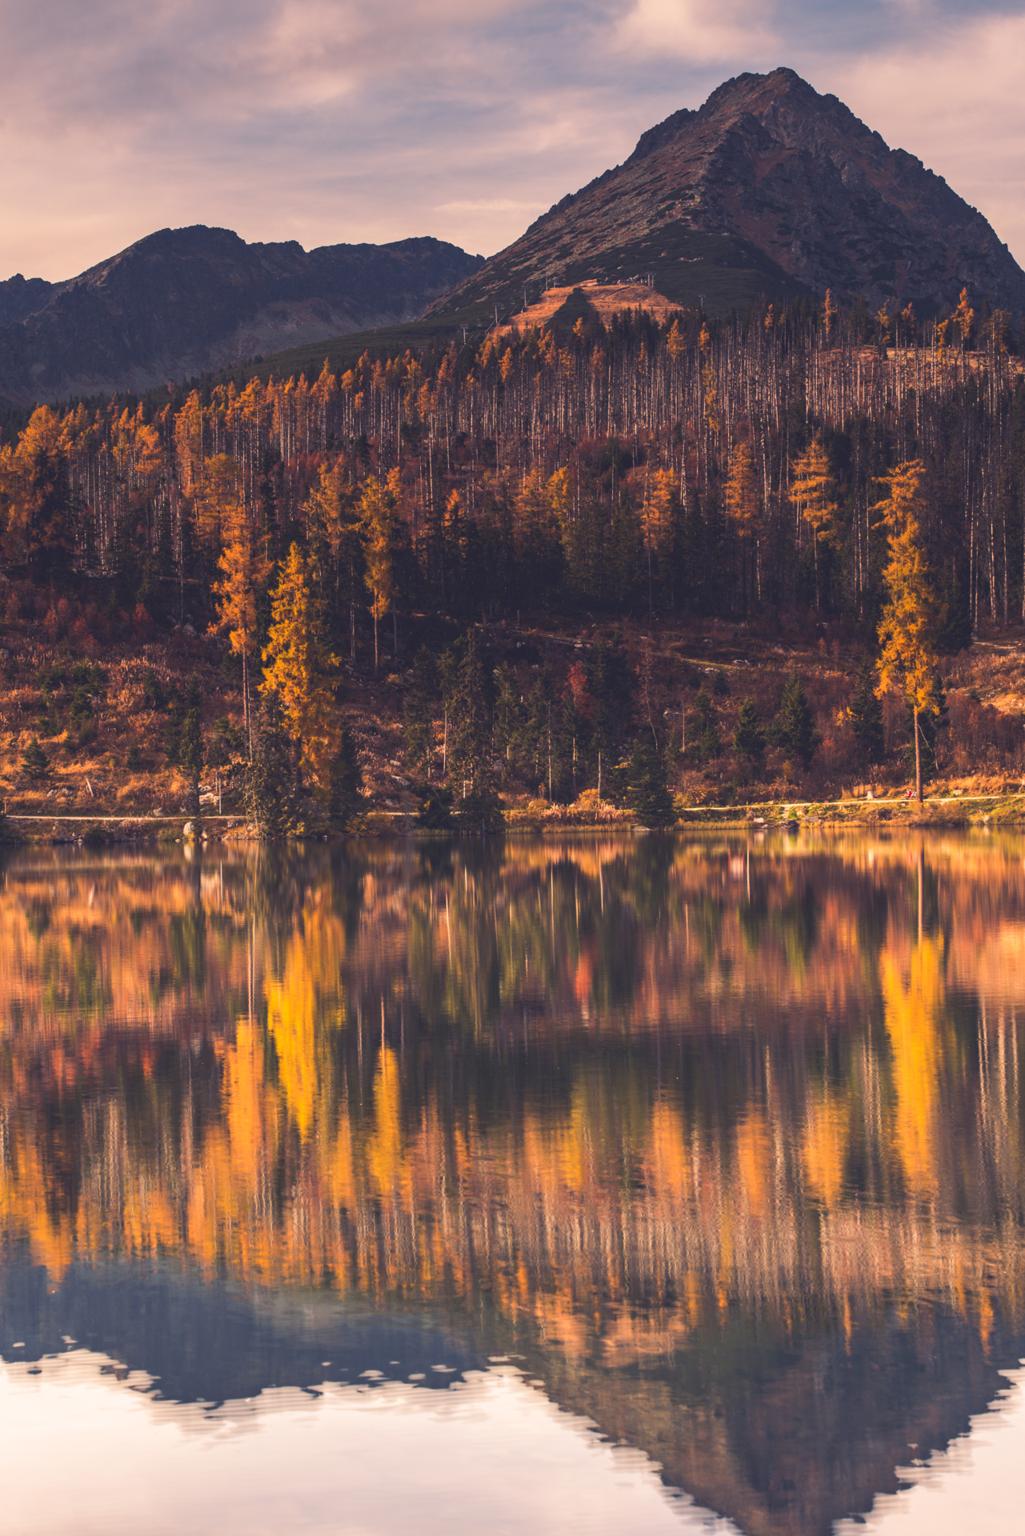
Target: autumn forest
[{"x": 526, "y": 566}]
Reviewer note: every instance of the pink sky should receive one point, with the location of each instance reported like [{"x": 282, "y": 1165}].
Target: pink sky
[{"x": 329, "y": 120}]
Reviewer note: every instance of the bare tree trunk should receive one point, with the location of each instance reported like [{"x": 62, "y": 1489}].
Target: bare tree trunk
[
  {"x": 918, "y": 760},
  {"x": 246, "y": 711}
]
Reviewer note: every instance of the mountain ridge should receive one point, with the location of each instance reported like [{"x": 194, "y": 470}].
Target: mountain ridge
[
  {"x": 768, "y": 191},
  {"x": 180, "y": 302}
]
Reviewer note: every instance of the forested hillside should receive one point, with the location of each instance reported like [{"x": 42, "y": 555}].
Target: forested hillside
[{"x": 381, "y": 540}]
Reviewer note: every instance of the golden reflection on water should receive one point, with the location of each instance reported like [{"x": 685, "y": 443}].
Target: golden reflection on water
[{"x": 725, "y": 1137}]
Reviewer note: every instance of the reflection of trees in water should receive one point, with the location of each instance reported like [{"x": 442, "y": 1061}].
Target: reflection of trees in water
[
  {"x": 566, "y": 1019},
  {"x": 668, "y": 1112}
]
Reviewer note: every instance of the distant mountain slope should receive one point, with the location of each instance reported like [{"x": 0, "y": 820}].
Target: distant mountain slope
[
  {"x": 769, "y": 189},
  {"x": 186, "y": 300}
]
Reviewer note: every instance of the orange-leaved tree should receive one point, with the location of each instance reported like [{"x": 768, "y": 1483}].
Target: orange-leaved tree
[
  {"x": 333, "y": 539},
  {"x": 657, "y": 519},
  {"x": 812, "y": 492},
  {"x": 907, "y": 661},
  {"x": 299, "y": 670},
  {"x": 243, "y": 565},
  {"x": 378, "y": 515},
  {"x": 743, "y": 505}
]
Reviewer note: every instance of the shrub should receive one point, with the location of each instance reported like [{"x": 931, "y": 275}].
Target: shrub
[
  {"x": 434, "y": 807},
  {"x": 34, "y": 762}
]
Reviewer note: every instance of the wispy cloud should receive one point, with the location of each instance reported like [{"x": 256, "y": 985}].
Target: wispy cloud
[
  {"x": 486, "y": 205},
  {"x": 705, "y": 31}
]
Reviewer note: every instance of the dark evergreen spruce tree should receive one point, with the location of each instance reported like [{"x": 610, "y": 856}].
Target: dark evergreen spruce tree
[
  {"x": 954, "y": 629},
  {"x": 273, "y": 795},
  {"x": 867, "y": 717},
  {"x": 794, "y": 726},
  {"x": 611, "y": 686},
  {"x": 468, "y": 706},
  {"x": 34, "y": 762},
  {"x": 704, "y": 742},
  {"x": 471, "y": 769},
  {"x": 419, "y": 713},
  {"x": 345, "y": 787},
  {"x": 748, "y": 737},
  {"x": 647, "y": 793},
  {"x": 434, "y": 807},
  {"x": 190, "y": 757}
]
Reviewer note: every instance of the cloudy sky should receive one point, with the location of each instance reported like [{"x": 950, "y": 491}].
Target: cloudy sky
[{"x": 330, "y": 120}]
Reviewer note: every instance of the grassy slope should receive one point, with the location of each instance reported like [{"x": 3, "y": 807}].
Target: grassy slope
[{"x": 111, "y": 758}]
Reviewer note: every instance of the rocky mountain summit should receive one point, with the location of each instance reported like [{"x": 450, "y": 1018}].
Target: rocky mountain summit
[{"x": 766, "y": 191}]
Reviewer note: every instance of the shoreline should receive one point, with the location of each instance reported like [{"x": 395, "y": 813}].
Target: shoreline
[{"x": 944, "y": 811}]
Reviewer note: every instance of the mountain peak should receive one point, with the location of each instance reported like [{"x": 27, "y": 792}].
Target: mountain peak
[
  {"x": 743, "y": 95},
  {"x": 756, "y": 89},
  {"x": 768, "y": 190}
]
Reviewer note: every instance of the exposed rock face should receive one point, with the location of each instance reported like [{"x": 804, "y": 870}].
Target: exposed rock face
[
  {"x": 185, "y": 300},
  {"x": 767, "y": 190}
]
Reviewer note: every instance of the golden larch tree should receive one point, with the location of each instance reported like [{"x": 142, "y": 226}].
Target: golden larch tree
[
  {"x": 327, "y": 512},
  {"x": 378, "y": 516},
  {"x": 244, "y": 569},
  {"x": 333, "y": 531},
  {"x": 657, "y": 517},
  {"x": 741, "y": 494},
  {"x": 964, "y": 318},
  {"x": 657, "y": 509},
  {"x": 243, "y": 565},
  {"x": 299, "y": 669},
  {"x": 907, "y": 655},
  {"x": 743, "y": 504},
  {"x": 812, "y": 492}
]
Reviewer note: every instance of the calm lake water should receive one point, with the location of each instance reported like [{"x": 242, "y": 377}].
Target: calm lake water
[{"x": 627, "y": 1186}]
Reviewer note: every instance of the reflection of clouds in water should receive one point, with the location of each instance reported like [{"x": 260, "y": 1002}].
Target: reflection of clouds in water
[
  {"x": 976, "y": 1484},
  {"x": 491, "y": 1454}
]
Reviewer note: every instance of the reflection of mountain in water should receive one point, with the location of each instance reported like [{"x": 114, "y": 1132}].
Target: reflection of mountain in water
[
  {"x": 210, "y": 1341},
  {"x": 726, "y": 1142},
  {"x": 780, "y": 1433}
]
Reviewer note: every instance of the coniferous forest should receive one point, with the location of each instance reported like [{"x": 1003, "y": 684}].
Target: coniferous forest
[{"x": 532, "y": 565}]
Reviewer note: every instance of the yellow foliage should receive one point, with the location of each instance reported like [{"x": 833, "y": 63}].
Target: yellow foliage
[
  {"x": 741, "y": 494},
  {"x": 812, "y": 490},
  {"x": 913, "y": 1013},
  {"x": 298, "y": 668},
  {"x": 907, "y": 660}
]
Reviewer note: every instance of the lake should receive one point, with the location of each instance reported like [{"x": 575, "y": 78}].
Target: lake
[{"x": 635, "y": 1185}]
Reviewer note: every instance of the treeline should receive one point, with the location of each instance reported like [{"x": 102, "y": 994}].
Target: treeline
[{"x": 640, "y": 468}]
